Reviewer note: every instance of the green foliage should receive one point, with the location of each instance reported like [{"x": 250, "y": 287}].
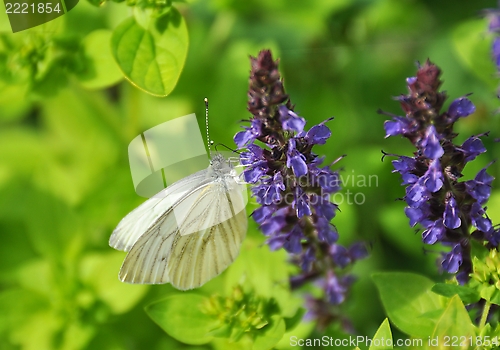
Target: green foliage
[
  {"x": 102, "y": 70},
  {"x": 381, "y": 339},
  {"x": 255, "y": 310},
  {"x": 151, "y": 48},
  {"x": 466, "y": 294},
  {"x": 181, "y": 316},
  {"x": 67, "y": 116},
  {"x": 474, "y": 48},
  {"x": 409, "y": 302},
  {"x": 242, "y": 319},
  {"x": 441, "y": 326}
]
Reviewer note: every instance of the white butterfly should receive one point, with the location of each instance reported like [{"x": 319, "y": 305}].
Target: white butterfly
[{"x": 186, "y": 234}]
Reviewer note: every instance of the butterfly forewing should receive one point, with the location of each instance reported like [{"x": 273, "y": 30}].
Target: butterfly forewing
[{"x": 137, "y": 222}]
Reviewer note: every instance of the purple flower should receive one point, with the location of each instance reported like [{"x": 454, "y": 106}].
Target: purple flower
[
  {"x": 496, "y": 52},
  {"x": 292, "y": 243},
  {"x": 431, "y": 145},
  {"x": 434, "y": 232},
  {"x": 318, "y": 134},
  {"x": 308, "y": 258},
  {"x": 334, "y": 290},
  {"x": 461, "y": 107},
  {"x": 417, "y": 194},
  {"x": 494, "y": 20},
  {"x": 248, "y": 136},
  {"x": 417, "y": 215},
  {"x": 404, "y": 164},
  {"x": 398, "y": 126},
  {"x": 451, "y": 214},
  {"x": 472, "y": 147},
  {"x": 478, "y": 219},
  {"x": 433, "y": 177},
  {"x": 301, "y": 203},
  {"x": 452, "y": 260},
  {"x": 295, "y": 159},
  {"x": 480, "y": 187},
  {"x": 263, "y": 213},
  {"x": 290, "y": 120},
  {"x": 326, "y": 232}
]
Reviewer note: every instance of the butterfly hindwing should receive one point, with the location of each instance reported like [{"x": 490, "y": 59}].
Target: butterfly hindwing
[{"x": 199, "y": 257}]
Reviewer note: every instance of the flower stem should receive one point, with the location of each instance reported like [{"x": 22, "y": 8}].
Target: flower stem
[{"x": 486, "y": 311}]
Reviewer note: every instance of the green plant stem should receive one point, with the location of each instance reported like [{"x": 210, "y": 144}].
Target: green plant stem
[{"x": 486, "y": 311}]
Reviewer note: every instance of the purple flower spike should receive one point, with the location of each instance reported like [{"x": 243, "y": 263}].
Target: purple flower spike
[
  {"x": 438, "y": 202},
  {"x": 293, "y": 189}
]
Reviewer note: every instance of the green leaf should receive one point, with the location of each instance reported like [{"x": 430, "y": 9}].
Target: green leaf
[
  {"x": 406, "y": 298},
  {"x": 270, "y": 335},
  {"x": 467, "y": 295},
  {"x": 301, "y": 331},
  {"x": 180, "y": 316},
  {"x": 292, "y": 322},
  {"x": 454, "y": 322},
  {"x": 383, "y": 338},
  {"x": 478, "y": 250},
  {"x": 490, "y": 293},
  {"x": 152, "y": 54},
  {"x": 101, "y": 70}
]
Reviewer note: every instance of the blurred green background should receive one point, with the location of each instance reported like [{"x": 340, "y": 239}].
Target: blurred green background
[{"x": 64, "y": 176}]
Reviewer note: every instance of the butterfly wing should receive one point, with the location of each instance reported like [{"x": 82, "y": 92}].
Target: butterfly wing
[
  {"x": 162, "y": 254},
  {"x": 197, "y": 258},
  {"x": 138, "y": 221}
]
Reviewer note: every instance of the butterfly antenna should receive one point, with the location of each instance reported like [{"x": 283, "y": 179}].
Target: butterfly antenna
[{"x": 209, "y": 142}]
